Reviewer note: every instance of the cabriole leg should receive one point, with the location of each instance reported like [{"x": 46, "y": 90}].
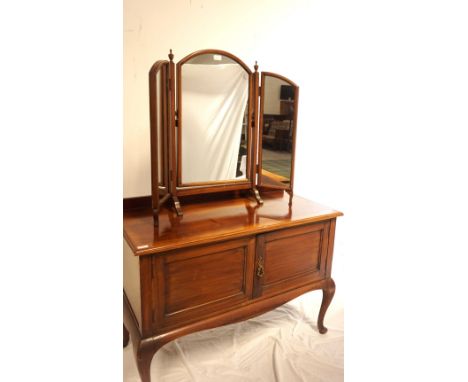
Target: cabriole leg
[
  {"x": 328, "y": 293},
  {"x": 144, "y": 356}
]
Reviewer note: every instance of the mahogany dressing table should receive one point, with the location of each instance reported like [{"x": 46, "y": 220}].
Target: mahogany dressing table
[{"x": 227, "y": 240}]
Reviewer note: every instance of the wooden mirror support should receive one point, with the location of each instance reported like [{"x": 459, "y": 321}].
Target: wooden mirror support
[
  {"x": 161, "y": 96},
  {"x": 167, "y": 131}
]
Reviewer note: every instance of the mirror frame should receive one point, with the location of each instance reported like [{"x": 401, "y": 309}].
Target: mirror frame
[
  {"x": 261, "y": 183},
  {"x": 222, "y": 185}
]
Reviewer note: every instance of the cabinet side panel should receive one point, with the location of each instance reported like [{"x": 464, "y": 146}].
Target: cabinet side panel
[{"x": 131, "y": 280}]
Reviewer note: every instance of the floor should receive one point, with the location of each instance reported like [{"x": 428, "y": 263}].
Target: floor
[
  {"x": 280, "y": 346},
  {"x": 277, "y": 162}
]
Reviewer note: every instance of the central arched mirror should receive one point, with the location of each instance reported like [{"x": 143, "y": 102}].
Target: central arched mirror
[{"x": 213, "y": 110}]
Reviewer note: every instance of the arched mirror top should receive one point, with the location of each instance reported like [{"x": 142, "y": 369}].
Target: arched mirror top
[
  {"x": 217, "y": 57},
  {"x": 157, "y": 66},
  {"x": 280, "y": 77}
]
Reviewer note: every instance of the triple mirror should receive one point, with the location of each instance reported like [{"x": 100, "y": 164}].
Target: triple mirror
[{"x": 216, "y": 125}]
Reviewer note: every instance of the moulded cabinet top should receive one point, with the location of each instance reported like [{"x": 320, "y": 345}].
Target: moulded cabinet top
[{"x": 217, "y": 220}]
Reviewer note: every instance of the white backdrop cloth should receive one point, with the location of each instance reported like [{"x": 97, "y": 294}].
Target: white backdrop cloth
[
  {"x": 280, "y": 346},
  {"x": 213, "y": 106}
]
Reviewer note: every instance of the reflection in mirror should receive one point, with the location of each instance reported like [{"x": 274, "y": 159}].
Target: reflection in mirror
[
  {"x": 277, "y": 131},
  {"x": 213, "y": 119}
]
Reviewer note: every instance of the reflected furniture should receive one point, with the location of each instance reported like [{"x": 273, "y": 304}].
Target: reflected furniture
[{"x": 222, "y": 238}]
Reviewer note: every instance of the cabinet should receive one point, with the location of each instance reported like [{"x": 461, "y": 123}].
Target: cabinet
[{"x": 227, "y": 259}]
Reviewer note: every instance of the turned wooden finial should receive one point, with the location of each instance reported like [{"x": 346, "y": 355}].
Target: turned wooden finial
[
  {"x": 256, "y": 66},
  {"x": 171, "y": 56}
]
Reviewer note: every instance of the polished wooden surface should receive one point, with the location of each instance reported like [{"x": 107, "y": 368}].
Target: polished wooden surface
[{"x": 217, "y": 220}]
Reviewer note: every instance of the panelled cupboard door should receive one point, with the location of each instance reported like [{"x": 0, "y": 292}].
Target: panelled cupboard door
[
  {"x": 290, "y": 258},
  {"x": 195, "y": 283}
]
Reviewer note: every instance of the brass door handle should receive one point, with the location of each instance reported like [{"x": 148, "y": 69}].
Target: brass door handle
[{"x": 260, "y": 270}]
